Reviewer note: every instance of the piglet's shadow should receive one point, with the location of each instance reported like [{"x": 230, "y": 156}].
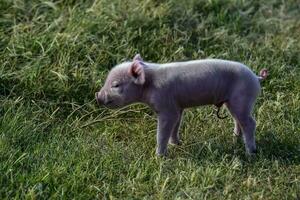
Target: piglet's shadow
[{"x": 286, "y": 152}]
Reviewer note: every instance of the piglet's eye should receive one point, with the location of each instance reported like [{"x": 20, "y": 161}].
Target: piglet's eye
[{"x": 115, "y": 84}]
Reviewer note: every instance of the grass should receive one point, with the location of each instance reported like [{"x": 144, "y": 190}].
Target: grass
[{"x": 56, "y": 143}]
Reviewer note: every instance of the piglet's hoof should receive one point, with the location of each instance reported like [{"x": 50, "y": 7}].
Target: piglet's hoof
[
  {"x": 175, "y": 142},
  {"x": 160, "y": 153},
  {"x": 252, "y": 152},
  {"x": 237, "y": 134}
]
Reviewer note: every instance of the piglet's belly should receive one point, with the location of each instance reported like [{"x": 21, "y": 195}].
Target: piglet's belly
[{"x": 194, "y": 99}]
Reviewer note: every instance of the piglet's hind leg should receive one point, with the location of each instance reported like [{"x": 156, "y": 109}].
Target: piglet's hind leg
[
  {"x": 237, "y": 131},
  {"x": 241, "y": 108}
]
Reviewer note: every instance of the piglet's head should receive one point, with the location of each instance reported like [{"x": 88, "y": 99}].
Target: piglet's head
[{"x": 123, "y": 85}]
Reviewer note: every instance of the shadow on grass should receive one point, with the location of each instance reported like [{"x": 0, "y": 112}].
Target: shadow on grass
[{"x": 284, "y": 151}]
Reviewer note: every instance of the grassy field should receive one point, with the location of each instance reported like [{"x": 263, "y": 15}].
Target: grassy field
[{"x": 56, "y": 143}]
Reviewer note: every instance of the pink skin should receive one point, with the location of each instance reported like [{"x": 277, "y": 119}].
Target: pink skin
[{"x": 170, "y": 88}]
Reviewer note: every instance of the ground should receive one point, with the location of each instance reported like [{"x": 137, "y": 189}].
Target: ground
[{"x": 55, "y": 142}]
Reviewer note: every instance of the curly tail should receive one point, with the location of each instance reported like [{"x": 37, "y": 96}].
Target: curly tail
[{"x": 263, "y": 74}]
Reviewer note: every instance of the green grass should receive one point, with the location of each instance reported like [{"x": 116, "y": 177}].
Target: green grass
[{"x": 56, "y": 143}]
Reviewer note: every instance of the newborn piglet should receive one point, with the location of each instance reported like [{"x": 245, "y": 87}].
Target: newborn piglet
[{"x": 170, "y": 88}]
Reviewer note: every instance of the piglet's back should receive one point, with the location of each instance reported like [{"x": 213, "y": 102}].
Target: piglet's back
[{"x": 202, "y": 82}]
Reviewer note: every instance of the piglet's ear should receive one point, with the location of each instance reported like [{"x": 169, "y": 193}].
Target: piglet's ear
[
  {"x": 136, "y": 70},
  {"x": 137, "y": 57}
]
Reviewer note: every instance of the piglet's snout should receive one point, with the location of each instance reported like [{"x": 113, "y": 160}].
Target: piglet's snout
[
  {"x": 102, "y": 98},
  {"x": 99, "y": 99}
]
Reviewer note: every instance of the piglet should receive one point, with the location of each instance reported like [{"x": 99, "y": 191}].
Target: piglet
[{"x": 170, "y": 88}]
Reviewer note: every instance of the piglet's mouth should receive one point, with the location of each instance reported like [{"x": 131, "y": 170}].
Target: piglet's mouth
[{"x": 109, "y": 102}]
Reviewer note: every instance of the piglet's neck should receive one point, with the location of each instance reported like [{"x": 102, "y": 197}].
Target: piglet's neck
[{"x": 148, "y": 86}]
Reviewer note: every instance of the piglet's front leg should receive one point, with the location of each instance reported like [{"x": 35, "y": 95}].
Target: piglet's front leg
[{"x": 167, "y": 122}]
